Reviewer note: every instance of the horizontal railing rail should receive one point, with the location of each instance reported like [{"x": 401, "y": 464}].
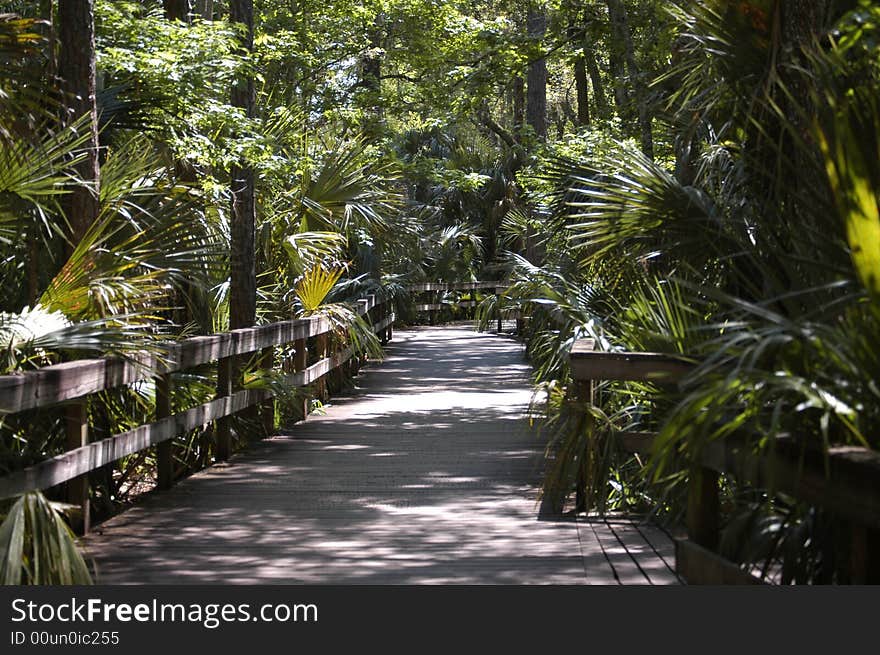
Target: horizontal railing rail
[
  {"x": 456, "y": 286},
  {"x": 845, "y": 480},
  {"x": 71, "y": 383}
]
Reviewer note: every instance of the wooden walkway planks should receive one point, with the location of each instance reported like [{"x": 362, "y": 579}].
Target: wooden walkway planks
[{"x": 427, "y": 474}]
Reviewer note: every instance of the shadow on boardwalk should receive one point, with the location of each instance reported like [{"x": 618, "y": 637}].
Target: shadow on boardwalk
[{"x": 426, "y": 474}]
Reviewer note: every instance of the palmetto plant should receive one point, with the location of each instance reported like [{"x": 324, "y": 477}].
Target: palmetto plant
[
  {"x": 151, "y": 248},
  {"x": 339, "y": 206},
  {"x": 757, "y": 257},
  {"x": 348, "y": 326},
  {"x": 37, "y": 546}
]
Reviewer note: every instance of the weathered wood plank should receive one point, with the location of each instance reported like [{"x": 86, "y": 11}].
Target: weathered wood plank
[
  {"x": 642, "y": 551},
  {"x": 100, "y": 453},
  {"x": 636, "y": 442},
  {"x": 626, "y": 570},
  {"x": 849, "y": 486},
  {"x": 429, "y": 307},
  {"x": 661, "y": 541},
  {"x": 454, "y": 286},
  {"x": 70, "y": 380},
  {"x": 201, "y": 350},
  {"x": 699, "y": 566},
  {"x": 589, "y": 364}
]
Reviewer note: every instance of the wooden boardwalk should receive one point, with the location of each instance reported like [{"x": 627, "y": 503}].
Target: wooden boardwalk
[{"x": 425, "y": 474}]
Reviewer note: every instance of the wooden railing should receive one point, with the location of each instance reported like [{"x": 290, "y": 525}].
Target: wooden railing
[
  {"x": 435, "y": 287},
  {"x": 845, "y": 480},
  {"x": 431, "y": 291},
  {"x": 72, "y": 382}
]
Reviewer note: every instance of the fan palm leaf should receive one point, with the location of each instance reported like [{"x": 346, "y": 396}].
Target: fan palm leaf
[{"x": 314, "y": 286}]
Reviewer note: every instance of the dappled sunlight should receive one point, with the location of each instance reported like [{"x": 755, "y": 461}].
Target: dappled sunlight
[{"x": 432, "y": 483}]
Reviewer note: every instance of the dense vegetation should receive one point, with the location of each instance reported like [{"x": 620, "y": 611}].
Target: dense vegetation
[{"x": 682, "y": 177}]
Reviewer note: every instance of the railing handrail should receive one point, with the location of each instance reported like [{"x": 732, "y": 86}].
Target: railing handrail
[
  {"x": 57, "y": 383},
  {"x": 75, "y": 380},
  {"x": 455, "y": 286},
  {"x": 843, "y": 479},
  {"x": 72, "y": 382}
]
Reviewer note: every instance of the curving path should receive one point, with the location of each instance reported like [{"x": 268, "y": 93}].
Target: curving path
[{"x": 425, "y": 474}]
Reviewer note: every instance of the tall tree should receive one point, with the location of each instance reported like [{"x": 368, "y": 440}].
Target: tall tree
[
  {"x": 575, "y": 34},
  {"x": 624, "y": 52},
  {"x": 519, "y": 101},
  {"x": 243, "y": 283},
  {"x": 583, "y": 91},
  {"x": 371, "y": 78},
  {"x": 536, "y": 83},
  {"x": 205, "y": 9},
  {"x": 76, "y": 68},
  {"x": 596, "y": 81},
  {"x": 178, "y": 10}
]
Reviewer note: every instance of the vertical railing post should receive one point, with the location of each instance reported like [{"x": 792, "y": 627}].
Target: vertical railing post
[
  {"x": 703, "y": 507},
  {"x": 498, "y": 309},
  {"x": 77, "y": 429},
  {"x": 859, "y": 546},
  {"x": 363, "y": 310},
  {"x": 300, "y": 362},
  {"x": 322, "y": 346},
  {"x": 584, "y": 392},
  {"x": 165, "y": 450},
  {"x": 267, "y": 406},
  {"x": 224, "y": 424},
  {"x": 383, "y": 314},
  {"x": 389, "y": 313},
  {"x": 336, "y": 375}
]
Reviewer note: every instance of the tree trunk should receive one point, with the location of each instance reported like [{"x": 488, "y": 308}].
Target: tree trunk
[
  {"x": 47, "y": 13},
  {"x": 616, "y": 57},
  {"x": 205, "y": 9},
  {"x": 624, "y": 48},
  {"x": 371, "y": 79},
  {"x": 76, "y": 68},
  {"x": 178, "y": 10},
  {"x": 596, "y": 82},
  {"x": 536, "y": 101},
  {"x": 243, "y": 284},
  {"x": 519, "y": 102},
  {"x": 802, "y": 21},
  {"x": 583, "y": 93}
]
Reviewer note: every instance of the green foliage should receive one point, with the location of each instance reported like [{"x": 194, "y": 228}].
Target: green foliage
[
  {"x": 387, "y": 141},
  {"x": 754, "y": 251},
  {"x": 37, "y": 546},
  {"x": 314, "y": 286},
  {"x": 175, "y": 79},
  {"x": 851, "y": 146}
]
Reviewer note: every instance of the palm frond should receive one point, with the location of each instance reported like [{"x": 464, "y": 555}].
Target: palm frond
[
  {"x": 38, "y": 547},
  {"x": 314, "y": 286},
  {"x": 307, "y": 249},
  {"x": 851, "y": 146}
]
